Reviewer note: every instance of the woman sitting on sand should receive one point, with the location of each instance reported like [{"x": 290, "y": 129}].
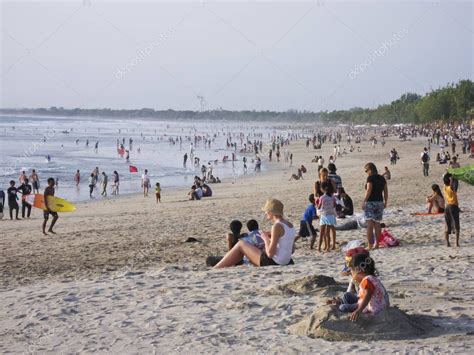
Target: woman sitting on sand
[
  {"x": 278, "y": 243},
  {"x": 435, "y": 202}
]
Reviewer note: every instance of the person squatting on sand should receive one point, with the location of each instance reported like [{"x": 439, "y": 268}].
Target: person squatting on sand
[
  {"x": 346, "y": 206},
  {"x": 375, "y": 201},
  {"x": 372, "y": 297},
  {"x": 279, "y": 243}
]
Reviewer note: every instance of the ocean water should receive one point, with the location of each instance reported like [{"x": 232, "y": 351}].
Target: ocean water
[{"x": 26, "y": 141}]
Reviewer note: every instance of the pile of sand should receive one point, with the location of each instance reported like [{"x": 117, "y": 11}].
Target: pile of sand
[
  {"x": 320, "y": 285},
  {"x": 330, "y": 324}
]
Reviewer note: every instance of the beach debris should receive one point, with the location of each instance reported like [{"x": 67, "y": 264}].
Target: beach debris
[{"x": 191, "y": 240}]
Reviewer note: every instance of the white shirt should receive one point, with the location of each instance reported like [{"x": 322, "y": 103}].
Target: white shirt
[{"x": 284, "y": 247}]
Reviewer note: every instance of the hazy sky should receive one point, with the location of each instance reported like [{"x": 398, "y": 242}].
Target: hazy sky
[{"x": 238, "y": 55}]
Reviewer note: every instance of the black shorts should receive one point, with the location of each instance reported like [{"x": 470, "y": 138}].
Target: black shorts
[
  {"x": 451, "y": 216},
  {"x": 47, "y": 213},
  {"x": 306, "y": 229},
  {"x": 266, "y": 261}
]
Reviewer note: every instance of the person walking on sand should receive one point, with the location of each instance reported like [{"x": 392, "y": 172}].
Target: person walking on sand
[
  {"x": 12, "y": 199},
  {"x": 425, "y": 161},
  {"x": 49, "y": 191},
  {"x": 158, "y": 192},
  {"x": 25, "y": 190},
  {"x": 375, "y": 201},
  {"x": 145, "y": 183}
]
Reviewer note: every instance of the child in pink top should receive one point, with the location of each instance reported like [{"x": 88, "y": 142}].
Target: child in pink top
[{"x": 372, "y": 297}]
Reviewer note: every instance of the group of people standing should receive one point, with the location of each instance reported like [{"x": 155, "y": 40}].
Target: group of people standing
[{"x": 101, "y": 179}]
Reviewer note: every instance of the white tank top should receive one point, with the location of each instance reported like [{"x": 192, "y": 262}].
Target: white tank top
[{"x": 285, "y": 245}]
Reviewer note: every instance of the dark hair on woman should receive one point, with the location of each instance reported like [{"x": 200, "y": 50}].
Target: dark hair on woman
[
  {"x": 371, "y": 167},
  {"x": 252, "y": 225},
  {"x": 327, "y": 187},
  {"x": 435, "y": 188},
  {"x": 236, "y": 227},
  {"x": 365, "y": 264},
  {"x": 447, "y": 179}
]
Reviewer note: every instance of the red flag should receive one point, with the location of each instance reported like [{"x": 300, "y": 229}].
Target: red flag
[{"x": 133, "y": 169}]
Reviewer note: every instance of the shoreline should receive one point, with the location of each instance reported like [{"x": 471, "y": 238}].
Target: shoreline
[{"x": 132, "y": 229}]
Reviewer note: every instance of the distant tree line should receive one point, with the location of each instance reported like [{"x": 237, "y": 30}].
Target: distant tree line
[{"x": 454, "y": 102}]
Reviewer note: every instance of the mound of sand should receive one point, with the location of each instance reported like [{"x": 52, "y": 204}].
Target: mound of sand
[
  {"x": 314, "y": 284},
  {"x": 330, "y": 324}
]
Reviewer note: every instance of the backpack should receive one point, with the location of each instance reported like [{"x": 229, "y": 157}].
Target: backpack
[{"x": 425, "y": 157}]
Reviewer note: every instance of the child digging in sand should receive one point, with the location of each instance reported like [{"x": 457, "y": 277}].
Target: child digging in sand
[
  {"x": 372, "y": 297},
  {"x": 327, "y": 207}
]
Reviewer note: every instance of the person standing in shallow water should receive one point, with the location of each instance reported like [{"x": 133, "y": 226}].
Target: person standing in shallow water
[
  {"x": 34, "y": 179},
  {"x": 375, "y": 201}
]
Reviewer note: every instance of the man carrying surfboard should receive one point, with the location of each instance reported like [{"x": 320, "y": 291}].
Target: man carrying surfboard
[{"x": 49, "y": 191}]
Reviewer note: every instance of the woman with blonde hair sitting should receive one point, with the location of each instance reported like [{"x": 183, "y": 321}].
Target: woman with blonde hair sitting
[{"x": 278, "y": 243}]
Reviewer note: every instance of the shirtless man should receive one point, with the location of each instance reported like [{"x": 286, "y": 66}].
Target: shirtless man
[
  {"x": 49, "y": 191},
  {"x": 34, "y": 181}
]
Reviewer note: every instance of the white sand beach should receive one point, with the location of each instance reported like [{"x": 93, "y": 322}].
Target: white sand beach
[{"x": 118, "y": 277}]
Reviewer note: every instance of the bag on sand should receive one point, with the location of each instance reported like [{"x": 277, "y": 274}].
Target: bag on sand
[{"x": 387, "y": 240}]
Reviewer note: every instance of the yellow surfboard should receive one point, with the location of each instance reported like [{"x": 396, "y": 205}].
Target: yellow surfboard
[{"x": 56, "y": 204}]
